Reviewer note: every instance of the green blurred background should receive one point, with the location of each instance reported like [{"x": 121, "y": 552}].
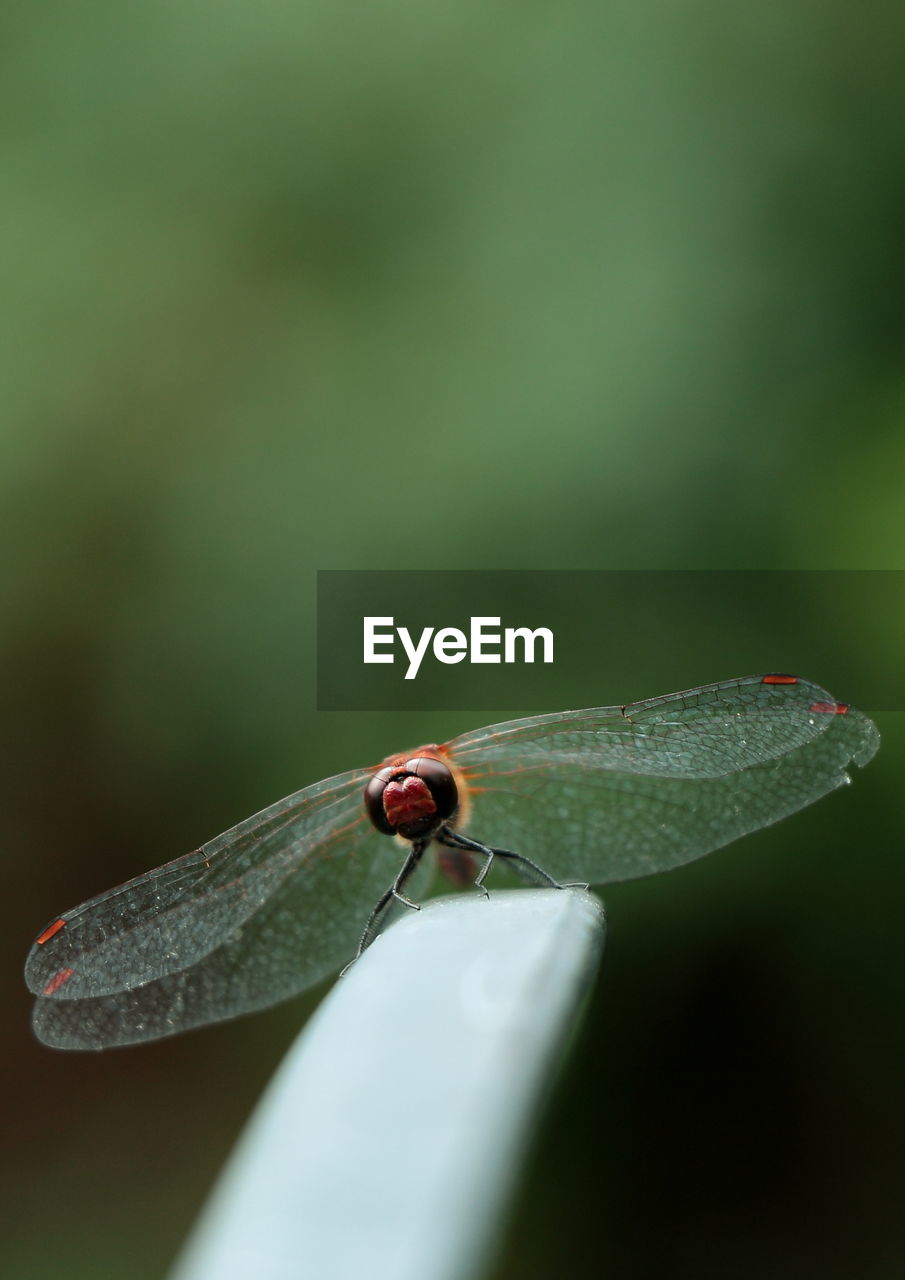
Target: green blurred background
[{"x": 450, "y": 286}]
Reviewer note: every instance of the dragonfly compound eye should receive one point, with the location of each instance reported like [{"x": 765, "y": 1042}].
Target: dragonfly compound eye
[{"x": 411, "y": 799}]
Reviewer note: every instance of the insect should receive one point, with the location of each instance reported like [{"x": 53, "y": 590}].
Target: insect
[{"x": 279, "y": 901}]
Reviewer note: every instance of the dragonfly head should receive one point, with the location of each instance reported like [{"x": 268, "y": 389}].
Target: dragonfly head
[{"x": 412, "y": 797}]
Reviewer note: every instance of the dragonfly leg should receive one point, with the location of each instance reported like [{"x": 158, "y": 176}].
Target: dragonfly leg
[
  {"x": 393, "y": 894},
  {"x": 533, "y": 872},
  {"x": 518, "y": 860}
]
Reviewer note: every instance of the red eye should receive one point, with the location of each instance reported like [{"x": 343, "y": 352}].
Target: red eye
[{"x": 413, "y": 799}]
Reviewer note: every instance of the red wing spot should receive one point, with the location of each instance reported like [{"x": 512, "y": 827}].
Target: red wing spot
[
  {"x": 779, "y": 679},
  {"x": 49, "y": 932},
  {"x": 830, "y": 708},
  {"x": 57, "y": 981}
]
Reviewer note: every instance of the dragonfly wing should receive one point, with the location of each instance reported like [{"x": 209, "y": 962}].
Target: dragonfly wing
[
  {"x": 304, "y": 932},
  {"x": 253, "y": 917},
  {"x": 614, "y": 793}
]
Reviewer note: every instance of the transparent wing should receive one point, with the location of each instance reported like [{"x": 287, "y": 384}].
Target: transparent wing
[
  {"x": 613, "y": 793},
  {"x": 279, "y": 901},
  {"x": 254, "y": 916}
]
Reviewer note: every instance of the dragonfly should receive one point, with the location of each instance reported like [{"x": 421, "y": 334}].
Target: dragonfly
[{"x": 293, "y": 893}]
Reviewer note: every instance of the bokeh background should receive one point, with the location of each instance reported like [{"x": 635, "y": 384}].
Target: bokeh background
[{"x": 569, "y": 285}]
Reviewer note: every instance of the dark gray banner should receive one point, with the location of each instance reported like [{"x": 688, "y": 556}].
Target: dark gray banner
[{"x": 545, "y": 640}]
